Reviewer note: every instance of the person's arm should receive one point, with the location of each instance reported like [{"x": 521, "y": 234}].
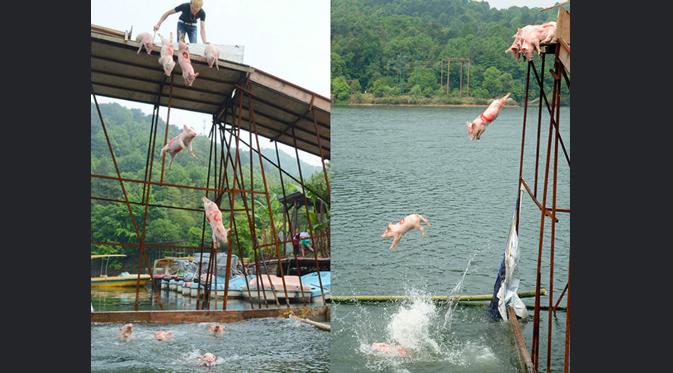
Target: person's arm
[
  {"x": 163, "y": 18},
  {"x": 203, "y": 32}
]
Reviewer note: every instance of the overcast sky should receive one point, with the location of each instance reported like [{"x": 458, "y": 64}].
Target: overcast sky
[{"x": 287, "y": 38}]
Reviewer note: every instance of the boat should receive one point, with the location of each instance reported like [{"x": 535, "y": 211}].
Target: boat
[
  {"x": 124, "y": 279},
  {"x": 292, "y": 283},
  {"x": 311, "y": 280},
  {"x": 168, "y": 268}
]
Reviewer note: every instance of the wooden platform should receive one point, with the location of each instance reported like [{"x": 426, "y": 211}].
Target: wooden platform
[{"x": 196, "y": 316}]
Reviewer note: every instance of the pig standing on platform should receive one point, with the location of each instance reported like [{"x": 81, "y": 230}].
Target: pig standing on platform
[
  {"x": 146, "y": 40},
  {"x": 529, "y": 38}
]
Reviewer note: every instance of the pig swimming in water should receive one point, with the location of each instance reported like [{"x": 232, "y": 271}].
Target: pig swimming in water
[
  {"x": 181, "y": 141},
  {"x": 208, "y": 359},
  {"x": 146, "y": 40},
  {"x": 163, "y": 335},
  {"x": 389, "y": 349},
  {"x": 185, "y": 62},
  {"x": 406, "y": 224},
  {"x": 478, "y": 125},
  {"x": 166, "y": 59},
  {"x": 125, "y": 331},
  {"x": 212, "y": 55},
  {"x": 214, "y": 218},
  {"x": 216, "y": 330}
]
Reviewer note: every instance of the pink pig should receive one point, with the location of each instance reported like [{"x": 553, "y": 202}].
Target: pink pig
[
  {"x": 406, "y": 224},
  {"x": 146, "y": 40},
  {"x": 212, "y": 55},
  {"x": 125, "y": 331},
  {"x": 163, "y": 335},
  {"x": 532, "y": 35},
  {"x": 389, "y": 349},
  {"x": 181, "y": 141},
  {"x": 515, "y": 48},
  {"x": 529, "y": 38},
  {"x": 216, "y": 330},
  {"x": 478, "y": 125},
  {"x": 208, "y": 359},
  {"x": 166, "y": 59},
  {"x": 214, "y": 218},
  {"x": 188, "y": 73}
]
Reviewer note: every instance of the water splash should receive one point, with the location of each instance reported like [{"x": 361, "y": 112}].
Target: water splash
[
  {"x": 410, "y": 326},
  {"x": 418, "y": 326},
  {"x": 452, "y": 304}
]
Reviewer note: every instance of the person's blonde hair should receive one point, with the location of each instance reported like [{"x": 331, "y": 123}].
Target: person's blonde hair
[{"x": 197, "y": 3}]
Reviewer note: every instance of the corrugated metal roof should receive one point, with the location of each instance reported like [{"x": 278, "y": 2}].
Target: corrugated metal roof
[{"x": 118, "y": 71}]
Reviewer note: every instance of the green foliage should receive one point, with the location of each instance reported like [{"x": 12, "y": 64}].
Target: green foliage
[
  {"x": 393, "y": 49},
  {"x": 129, "y": 135}
]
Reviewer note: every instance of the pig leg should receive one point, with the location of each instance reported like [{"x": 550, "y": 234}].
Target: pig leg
[
  {"x": 171, "y": 162},
  {"x": 214, "y": 239},
  {"x": 420, "y": 228},
  {"x": 191, "y": 152},
  {"x": 396, "y": 241},
  {"x": 140, "y": 48}
]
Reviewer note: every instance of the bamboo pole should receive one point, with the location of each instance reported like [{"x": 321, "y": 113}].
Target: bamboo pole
[
  {"x": 435, "y": 298},
  {"x": 318, "y": 325}
]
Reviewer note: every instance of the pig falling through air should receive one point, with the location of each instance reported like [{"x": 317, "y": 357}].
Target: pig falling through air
[
  {"x": 529, "y": 38},
  {"x": 214, "y": 218},
  {"x": 478, "y": 125},
  {"x": 178, "y": 143},
  {"x": 185, "y": 62},
  {"x": 212, "y": 55},
  {"x": 407, "y": 223},
  {"x": 146, "y": 40},
  {"x": 166, "y": 59}
]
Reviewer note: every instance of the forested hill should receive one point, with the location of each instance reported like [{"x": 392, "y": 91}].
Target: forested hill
[
  {"x": 129, "y": 135},
  {"x": 394, "y": 47},
  {"x": 129, "y": 131}
]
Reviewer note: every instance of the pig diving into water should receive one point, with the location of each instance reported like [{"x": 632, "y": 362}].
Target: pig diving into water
[
  {"x": 178, "y": 143},
  {"x": 407, "y": 223},
  {"x": 214, "y": 218},
  {"x": 386, "y": 349},
  {"x": 477, "y": 127}
]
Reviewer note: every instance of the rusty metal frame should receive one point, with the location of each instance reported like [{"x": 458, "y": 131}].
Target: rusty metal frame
[
  {"x": 553, "y": 111},
  {"x": 220, "y": 167}
]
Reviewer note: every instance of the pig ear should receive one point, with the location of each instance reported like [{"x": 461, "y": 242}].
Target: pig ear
[{"x": 184, "y": 126}]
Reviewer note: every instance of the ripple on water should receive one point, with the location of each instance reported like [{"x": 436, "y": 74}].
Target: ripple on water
[{"x": 389, "y": 162}]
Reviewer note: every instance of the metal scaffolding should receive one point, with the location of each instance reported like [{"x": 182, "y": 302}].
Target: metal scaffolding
[
  {"x": 558, "y": 75},
  {"x": 118, "y": 72}
]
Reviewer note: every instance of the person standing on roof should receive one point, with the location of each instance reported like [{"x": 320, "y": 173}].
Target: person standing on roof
[{"x": 190, "y": 12}]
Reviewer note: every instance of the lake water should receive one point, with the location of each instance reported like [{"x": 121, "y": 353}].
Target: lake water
[
  {"x": 256, "y": 345},
  {"x": 391, "y": 162}
]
